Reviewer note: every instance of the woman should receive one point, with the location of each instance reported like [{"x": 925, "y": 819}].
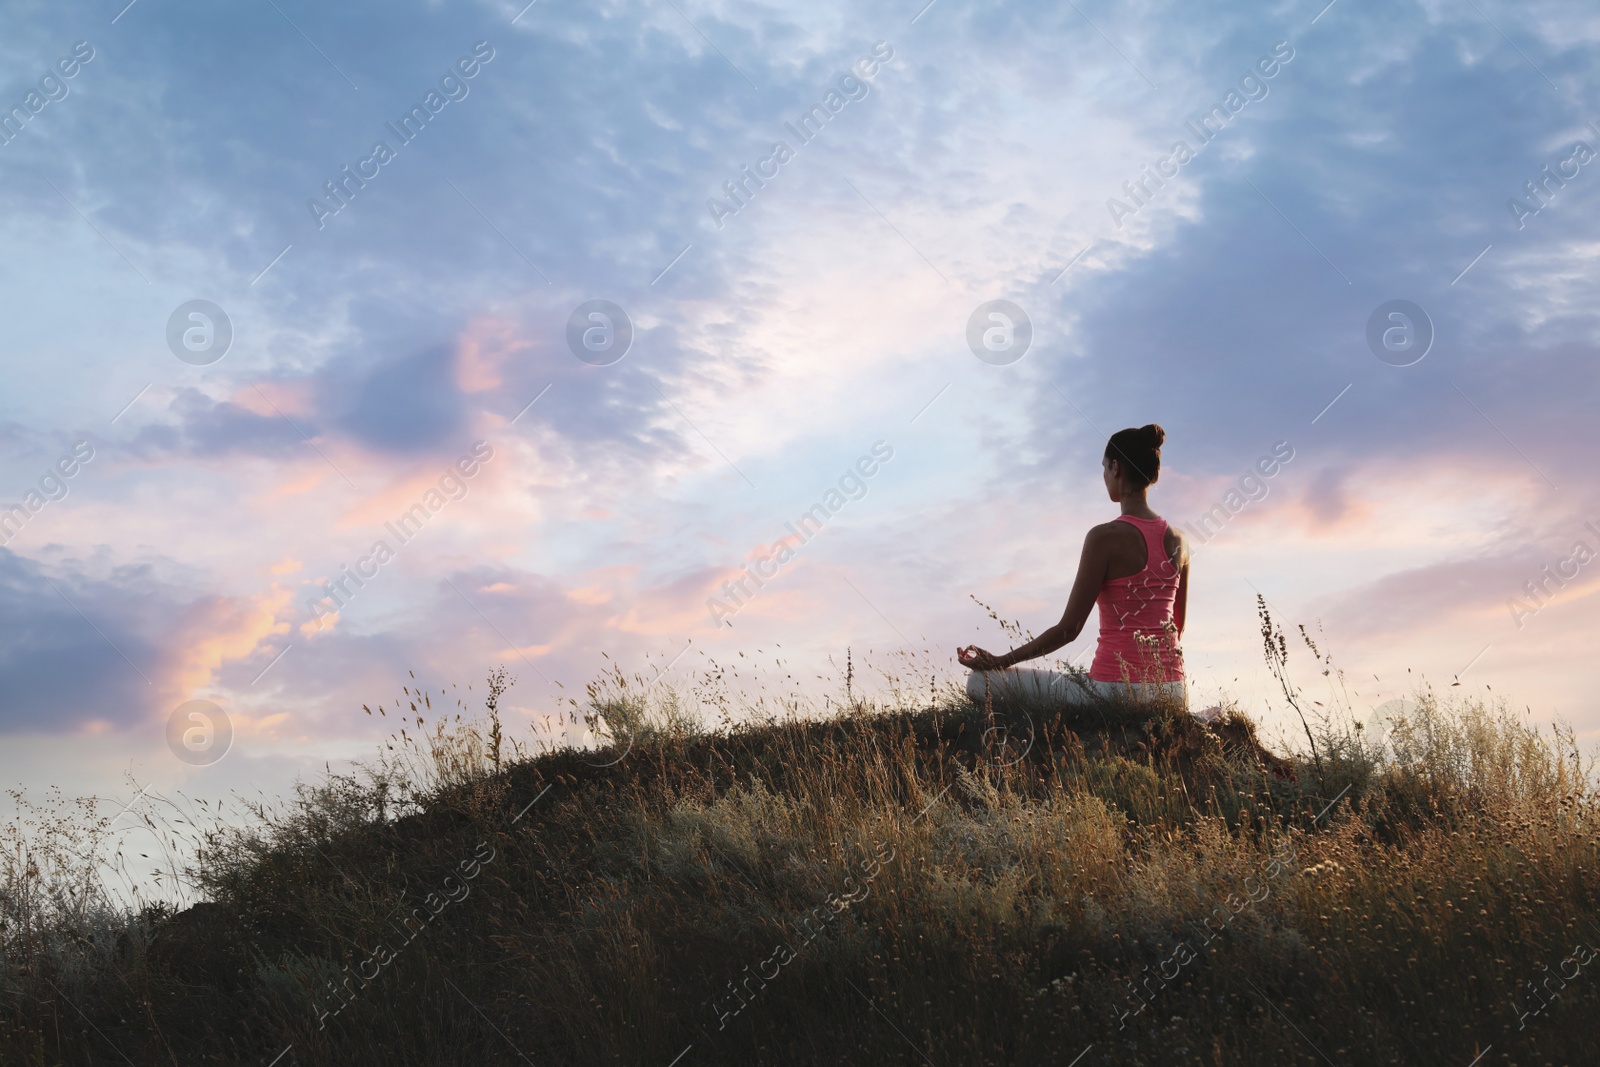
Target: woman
[{"x": 1136, "y": 569}]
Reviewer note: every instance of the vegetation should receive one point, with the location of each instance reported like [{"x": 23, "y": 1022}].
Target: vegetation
[{"x": 922, "y": 881}]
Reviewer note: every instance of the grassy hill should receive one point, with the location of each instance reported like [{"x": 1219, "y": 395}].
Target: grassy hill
[{"x": 936, "y": 883}]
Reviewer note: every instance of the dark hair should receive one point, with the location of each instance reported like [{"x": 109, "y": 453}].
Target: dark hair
[{"x": 1139, "y": 452}]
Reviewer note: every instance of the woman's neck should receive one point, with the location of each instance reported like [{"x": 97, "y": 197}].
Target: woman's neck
[{"x": 1137, "y": 505}]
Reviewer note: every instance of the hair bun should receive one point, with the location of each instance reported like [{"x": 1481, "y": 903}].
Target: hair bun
[{"x": 1138, "y": 451}]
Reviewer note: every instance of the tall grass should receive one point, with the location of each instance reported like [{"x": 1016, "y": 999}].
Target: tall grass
[{"x": 921, "y": 880}]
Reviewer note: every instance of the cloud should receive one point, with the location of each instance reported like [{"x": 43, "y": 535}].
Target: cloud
[
  {"x": 216, "y": 630},
  {"x": 430, "y": 311},
  {"x": 405, "y": 404},
  {"x": 1327, "y": 501},
  {"x": 81, "y": 649},
  {"x": 202, "y": 427}
]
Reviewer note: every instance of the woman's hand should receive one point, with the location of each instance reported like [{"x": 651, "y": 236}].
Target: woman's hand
[{"x": 976, "y": 659}]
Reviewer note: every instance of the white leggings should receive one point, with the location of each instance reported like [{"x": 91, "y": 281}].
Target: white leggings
[{"x": 1057, "y": 688}]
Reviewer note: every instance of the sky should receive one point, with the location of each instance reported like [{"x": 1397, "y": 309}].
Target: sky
[{"x": 545, "y": 322}]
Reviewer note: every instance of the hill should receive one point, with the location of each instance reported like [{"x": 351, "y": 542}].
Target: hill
[{"x": 935, "y": 884}]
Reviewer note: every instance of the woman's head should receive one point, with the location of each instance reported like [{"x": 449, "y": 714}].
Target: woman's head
[{"x": 1133, "y": 459}]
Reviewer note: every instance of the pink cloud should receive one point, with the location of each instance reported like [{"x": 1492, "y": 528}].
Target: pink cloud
[
  {"x": 272, "y": 398},
  {"x": 216, "y": 630},
  {"x": 485, "y": 347}
]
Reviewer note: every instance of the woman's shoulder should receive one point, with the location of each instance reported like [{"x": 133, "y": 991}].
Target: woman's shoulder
[
  {"x": 1125, "y": 526},
  {"x": 1177, "y": 544},
  {"x": 1108, "y": 531}
]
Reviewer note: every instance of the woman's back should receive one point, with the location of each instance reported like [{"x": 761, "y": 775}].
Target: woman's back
[{"x": 1138, "y": 638}]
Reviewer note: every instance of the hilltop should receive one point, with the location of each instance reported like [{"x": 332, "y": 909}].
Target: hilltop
[{"x": 943, "y": 883}]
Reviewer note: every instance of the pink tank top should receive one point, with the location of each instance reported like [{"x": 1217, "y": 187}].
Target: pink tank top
[{"x": 1138, "y": 638}]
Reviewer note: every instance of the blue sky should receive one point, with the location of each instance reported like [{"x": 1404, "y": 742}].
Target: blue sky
[{"x": 774, "y": 346}]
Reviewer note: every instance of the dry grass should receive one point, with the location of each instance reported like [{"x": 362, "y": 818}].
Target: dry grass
[{"x": 922, "y": 883}]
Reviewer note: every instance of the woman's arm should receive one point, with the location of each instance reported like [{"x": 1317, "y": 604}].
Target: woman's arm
[
  {"x": 1179, "y": 553},
  {"x": 1180, "y": 606},
  {"x": 1091, "y": 575}
]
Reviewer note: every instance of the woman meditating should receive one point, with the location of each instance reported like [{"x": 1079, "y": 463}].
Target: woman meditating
[{"x": 1136, "y": 569}]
